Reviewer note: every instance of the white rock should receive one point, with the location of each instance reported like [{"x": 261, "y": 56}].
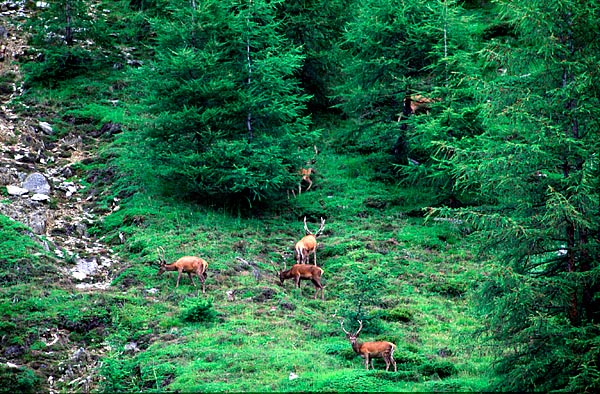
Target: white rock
[
  {"x": 46, "y": 128},
  {"x": 79, "y": 275},
  {"x": 40, "y": 197},
  {"x": 16, "y": 190}
]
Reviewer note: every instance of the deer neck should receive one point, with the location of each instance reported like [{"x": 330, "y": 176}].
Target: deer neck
[{"x": 356, "y": 346}]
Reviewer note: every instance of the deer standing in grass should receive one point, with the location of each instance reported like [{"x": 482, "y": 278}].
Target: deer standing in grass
[
  {"x": 300, "y": 272},
  {"x": 308, "y": 244},
  {"x": 371, "y": 350},
  {"x": 188, "y": 264},
  {"x": 306, "y": 173}
]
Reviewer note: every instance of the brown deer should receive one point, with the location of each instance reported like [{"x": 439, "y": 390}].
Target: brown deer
[
  {"x": 300, "y": 272},
  {"x": 187, "y": 264},
  {"x": 420, "y": 104},
  {"x": 308, "y": 244},
  {"x": 306, "y": 173},
  {"x": 371, "y": 350}
]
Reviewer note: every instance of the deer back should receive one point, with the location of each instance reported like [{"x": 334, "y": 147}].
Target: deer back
[
  {"x": 308, "y": 242},
  {"x": 304, "y": 271},
  {"x": 374, "y": 349},
  {"x": 191, "y": 264}
]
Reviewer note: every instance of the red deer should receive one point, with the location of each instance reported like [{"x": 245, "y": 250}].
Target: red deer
[
  {"x": 420, "y": 104},
  {"x": 308, "y": 244},
  {"x": 371, "y": 350},
  {"x": 304, "y": 272},
  {"x": 187, "y": 264},
  {"x": 306, "y": 173}
]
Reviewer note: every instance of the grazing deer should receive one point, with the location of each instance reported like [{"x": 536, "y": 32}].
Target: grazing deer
[
  {"x": 308, "y": 244},
  {"x": 371, "y": 350},
  {"x": 304, "y": 272},
  {"x": 187, "y": 264}
]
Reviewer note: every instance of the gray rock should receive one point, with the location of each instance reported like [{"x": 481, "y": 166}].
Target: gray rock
[
  {"x": 37, "y": 183},
  {"x": 37, "y": 223},
  {"x": 46, "y": 128}
]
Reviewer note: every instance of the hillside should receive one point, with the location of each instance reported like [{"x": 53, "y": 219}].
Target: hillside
[
  {"x": 455, "y": 176},
  {"x": 406, "y": 278}
]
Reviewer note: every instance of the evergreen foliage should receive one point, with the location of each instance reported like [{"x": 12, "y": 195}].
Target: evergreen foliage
[
  {"x": 226, "y": 115},
  {"x": 217, "y": 112},
  {"x": 536, "y": 168}
]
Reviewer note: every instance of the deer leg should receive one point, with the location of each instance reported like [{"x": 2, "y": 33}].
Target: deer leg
[
  {"x": 393, "y": 361},
  {"x": 367, "y": 361},
  {"x": 307, "y": 179},
  {"x": 315, "y": 257},
  {"x": 202, "y": 279},
  {"x": 317, "y": 288},
  {"x": 191, "y": 278},
  {"x": 178, "y": 277}
]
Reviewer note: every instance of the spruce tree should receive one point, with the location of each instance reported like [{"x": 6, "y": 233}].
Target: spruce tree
[{"x": 227, "y": 118}]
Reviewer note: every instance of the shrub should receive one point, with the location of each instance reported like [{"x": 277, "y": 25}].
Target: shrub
[
  {"x": 21, "y": 380},
  {"x": 443, "y": 369},
  {"x": 398, "y": 314},
  {"x": 199, "y": 311}
]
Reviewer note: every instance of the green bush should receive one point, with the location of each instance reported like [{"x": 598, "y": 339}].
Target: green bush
[
  {"x": 398, "y": 314},
  {"x": 442, "y": 369},
  {"x": 199, "y": 311},
  {"x": 21, "y": 380}
]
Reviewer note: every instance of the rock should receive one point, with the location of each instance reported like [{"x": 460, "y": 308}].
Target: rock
[
  {"x": 37, "y": 223},
  {"x": 85, "y": 268},
  {"x": 16, "y": 190},
  {"x": 45, "y": 127},
  {"x": 40, "y": 197},
  {"x": 37, "y": 183}
]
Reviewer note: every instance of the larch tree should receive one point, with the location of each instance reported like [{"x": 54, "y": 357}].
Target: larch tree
[{"x": 535, "y": 167}]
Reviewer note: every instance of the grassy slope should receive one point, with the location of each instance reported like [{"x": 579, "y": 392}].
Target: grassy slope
[{"x": 411, "y": 278}]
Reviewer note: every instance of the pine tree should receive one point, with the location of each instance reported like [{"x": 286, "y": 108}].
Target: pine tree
[
  {"x": 227, "y": 114},
  {"x": 536, "y": 168}
]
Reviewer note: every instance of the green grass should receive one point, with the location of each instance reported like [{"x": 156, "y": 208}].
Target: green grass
[{"x": 406, "y": 278}]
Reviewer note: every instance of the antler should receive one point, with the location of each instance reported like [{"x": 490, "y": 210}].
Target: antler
[
  {"x": 357, "y": 332},
  {"x": 318, "y": 231},
  {"x": 343, "y": 329},
  {"x": 359, "y": 328},
  {"x": 306, "y": 227},
  {"x": 320, "y": 228},
  {"x": 161, "y": 255}
]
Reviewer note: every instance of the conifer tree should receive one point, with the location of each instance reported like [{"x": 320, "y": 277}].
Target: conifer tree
[
  {"x": 391, "y": 47},
  {"x": 227, "y": 114},
  {"x": 536, "y": 168}
]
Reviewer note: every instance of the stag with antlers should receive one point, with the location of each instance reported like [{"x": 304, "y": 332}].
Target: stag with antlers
[
  {"x": 188, "y": 264},
  {"x": 308, "y": 244},
  {"x": 371, "y": 350},
  {"x": 300, "y": 272}
]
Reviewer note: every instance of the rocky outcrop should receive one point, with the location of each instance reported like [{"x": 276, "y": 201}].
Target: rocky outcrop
[{"x": 40, "y": 188}]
